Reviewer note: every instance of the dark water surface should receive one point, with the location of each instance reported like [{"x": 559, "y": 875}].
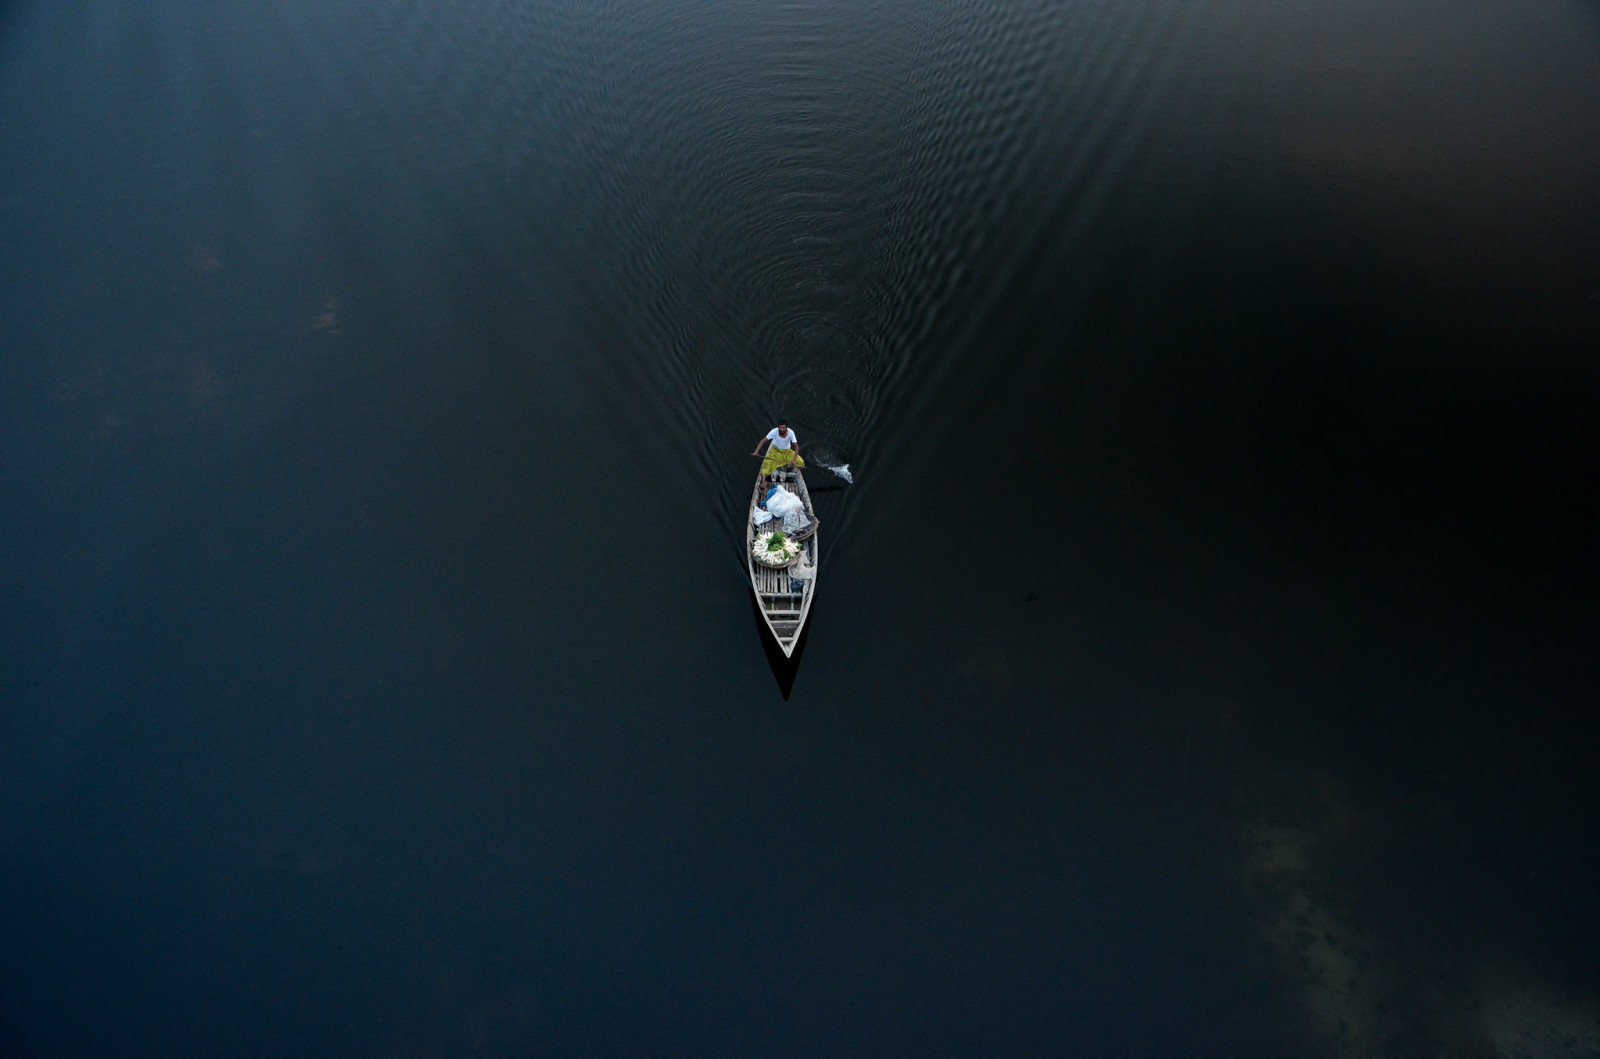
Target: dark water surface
[{"x": 1204, "y": 661}]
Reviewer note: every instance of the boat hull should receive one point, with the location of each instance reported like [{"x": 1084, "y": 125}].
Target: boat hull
[{"x": 783, "y": 598}]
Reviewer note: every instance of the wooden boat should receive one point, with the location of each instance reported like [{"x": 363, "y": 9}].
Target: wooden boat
[{"x": 783, "y": 595}]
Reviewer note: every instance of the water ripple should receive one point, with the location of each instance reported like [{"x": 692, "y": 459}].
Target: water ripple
[{"x": 807, "y": 209}]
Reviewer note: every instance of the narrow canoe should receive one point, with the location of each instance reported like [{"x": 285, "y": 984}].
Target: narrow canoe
[{"x": 784, "y": 598}]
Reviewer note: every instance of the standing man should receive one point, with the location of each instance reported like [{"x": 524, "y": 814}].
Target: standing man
[{"x": 783, "y": 449}]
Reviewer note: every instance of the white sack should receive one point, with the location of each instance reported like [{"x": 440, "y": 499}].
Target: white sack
[
  {"x": 782, "y": 502},
  {"x": 785, "y": 505}
]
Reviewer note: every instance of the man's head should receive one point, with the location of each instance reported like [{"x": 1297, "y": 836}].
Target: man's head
[{"x": 783, "y": 426}]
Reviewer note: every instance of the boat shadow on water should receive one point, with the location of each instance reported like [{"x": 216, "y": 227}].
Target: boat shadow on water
[{"x": 783, "y": 669}]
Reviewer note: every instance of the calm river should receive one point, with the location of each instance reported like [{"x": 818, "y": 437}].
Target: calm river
[{"x": 1204, "y": 658}]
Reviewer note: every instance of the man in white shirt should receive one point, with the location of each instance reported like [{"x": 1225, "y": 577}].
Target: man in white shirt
[{"x": 783, "y": 449}]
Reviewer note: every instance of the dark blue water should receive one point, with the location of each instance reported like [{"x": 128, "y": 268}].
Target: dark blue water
[{"x": 1203, "y": 658}]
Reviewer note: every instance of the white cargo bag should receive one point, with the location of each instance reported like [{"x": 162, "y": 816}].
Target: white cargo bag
[{"x": 785, "y": 505}]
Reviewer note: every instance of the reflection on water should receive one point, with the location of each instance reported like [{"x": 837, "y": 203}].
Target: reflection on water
[{"x": 1370, "y": 986}]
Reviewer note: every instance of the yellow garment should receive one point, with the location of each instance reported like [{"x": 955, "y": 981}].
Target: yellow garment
[{"x": 777, "y": 457}]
